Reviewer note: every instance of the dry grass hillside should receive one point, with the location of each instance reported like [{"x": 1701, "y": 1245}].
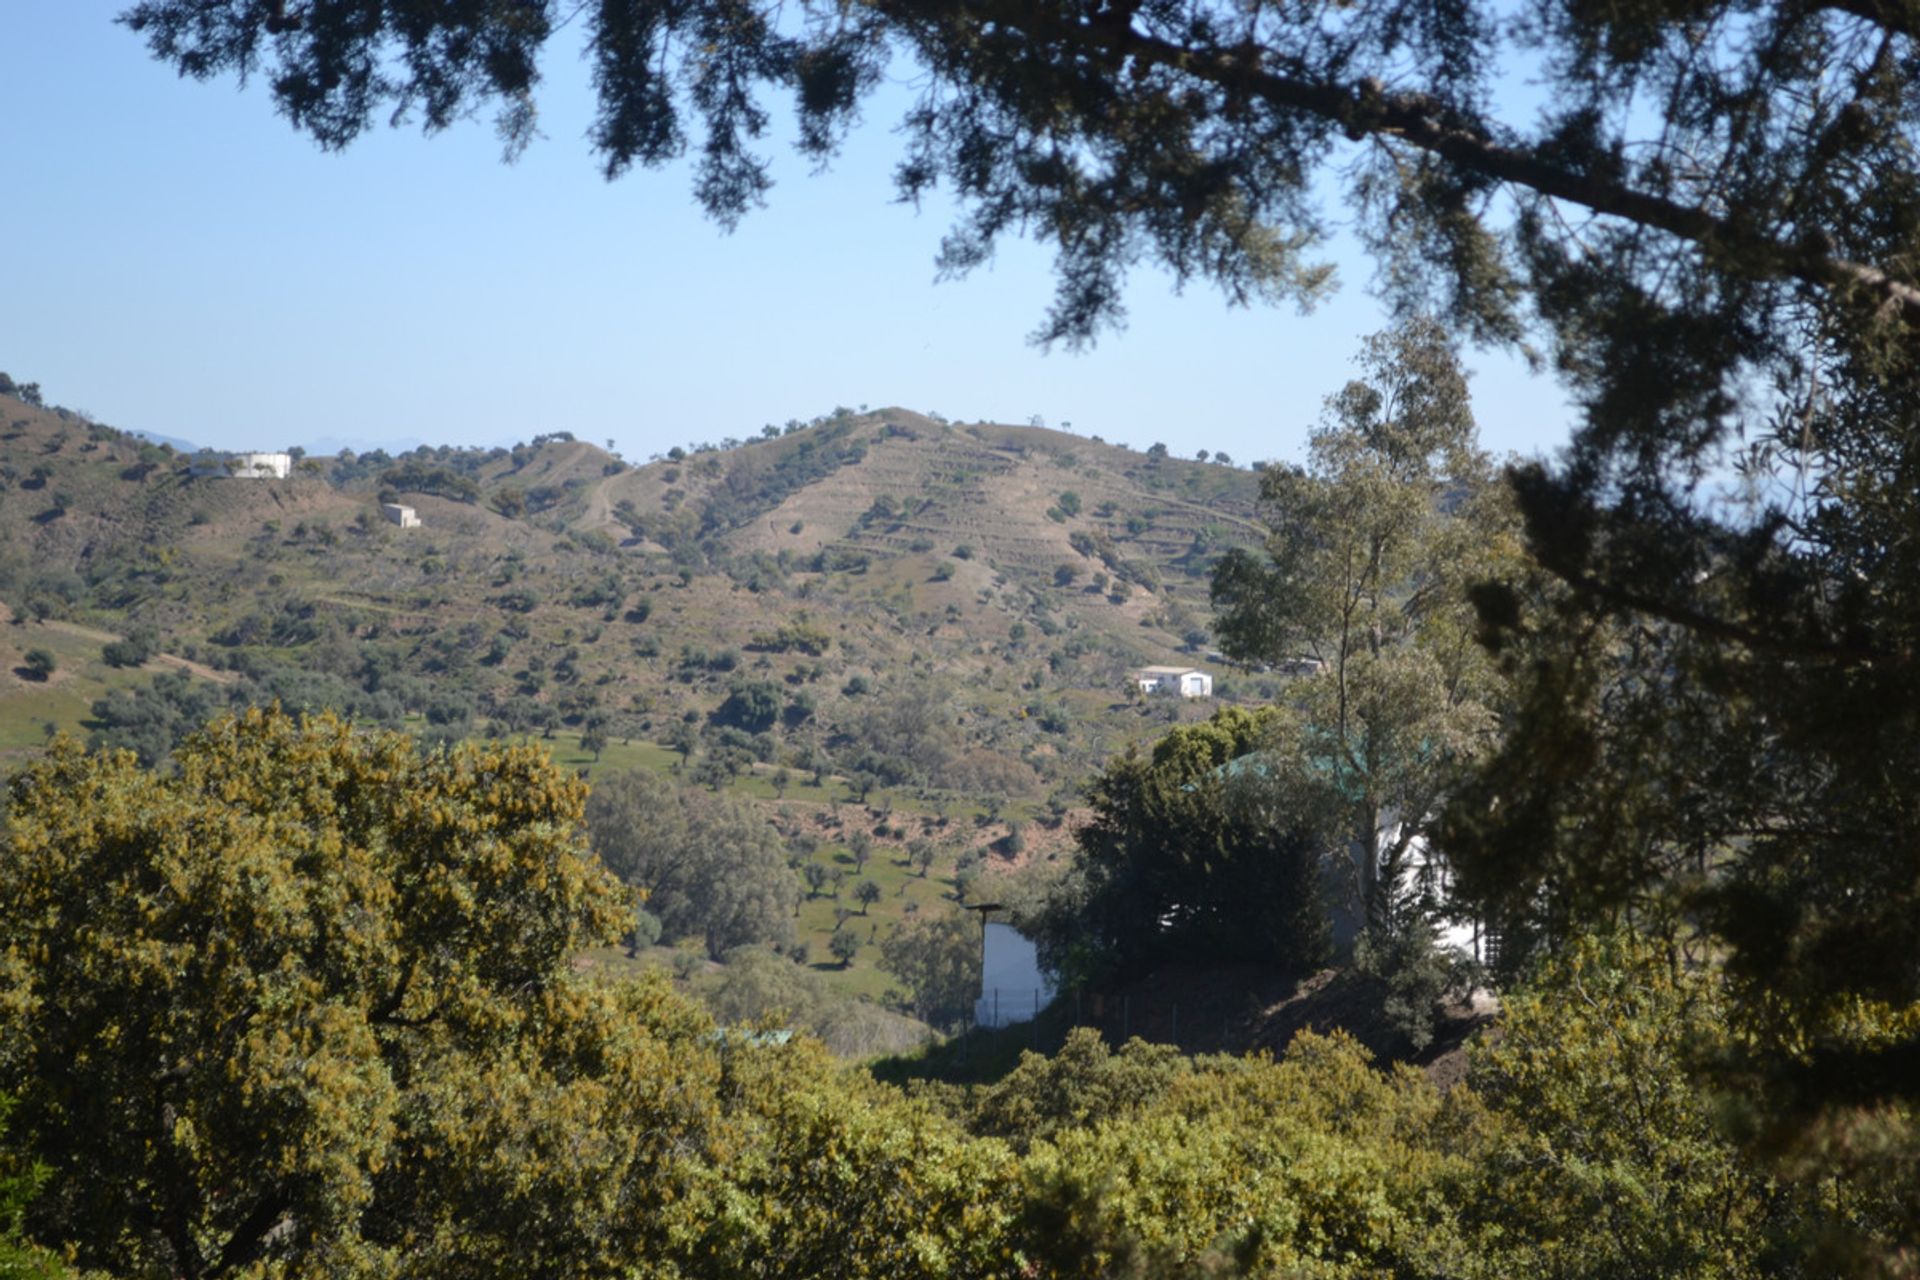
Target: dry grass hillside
[{"x": 884, "y": 598}]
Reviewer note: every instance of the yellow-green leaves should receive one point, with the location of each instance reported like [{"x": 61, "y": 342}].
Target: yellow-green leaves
[{"x": 307, "y": 1005}]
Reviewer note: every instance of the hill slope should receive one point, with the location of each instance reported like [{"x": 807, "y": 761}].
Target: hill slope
[{"x": 944, "y": 606}]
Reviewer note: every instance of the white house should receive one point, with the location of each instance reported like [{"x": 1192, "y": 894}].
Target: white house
[
  {"x": 243, "y": 466},
  {"x": 405, "y": 517},
  {"x": 1188, "y": 682},
  {"x": 1013, "y": 986}
]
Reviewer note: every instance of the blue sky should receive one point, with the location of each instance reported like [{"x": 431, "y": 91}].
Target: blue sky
[{"x": 178, "y": 260}]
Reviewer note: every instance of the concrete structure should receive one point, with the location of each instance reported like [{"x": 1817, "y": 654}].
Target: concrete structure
[
  {"x": 405, "y": 517},
  {"x": 243, "y": 466},
  {"x": 1188, "y": 682},
  {"x": 1013, "y": 986}
]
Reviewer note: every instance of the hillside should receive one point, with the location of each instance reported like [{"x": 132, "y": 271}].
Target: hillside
[
  {"x": 951, "y": 607},
  {"x": 930, "y": 620}
]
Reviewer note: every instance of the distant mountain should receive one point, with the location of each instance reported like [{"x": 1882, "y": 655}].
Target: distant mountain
[{"x": 179, "y": 445}]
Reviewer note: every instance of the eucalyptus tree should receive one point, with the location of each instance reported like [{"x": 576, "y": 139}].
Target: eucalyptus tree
[{"x": 1363, "y": 582}]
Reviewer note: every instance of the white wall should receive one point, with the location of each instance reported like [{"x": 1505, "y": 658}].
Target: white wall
[{"x": 1013, "y": 987}]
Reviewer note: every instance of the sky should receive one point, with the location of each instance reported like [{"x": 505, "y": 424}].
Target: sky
[{"x": 179, "y": 261}]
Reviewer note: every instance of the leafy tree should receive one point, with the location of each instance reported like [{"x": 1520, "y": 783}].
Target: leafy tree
[
  {"x": 1317, "y": 1165},
  {"x": 757, "y": 985},
  {"x": 713, "y": 868},
  {"x": 1371, "y": 550},
  {"x": 860, "y": 845},
  {"x": 938, "y": 961},
  {"x": 39, "y": 664},
  {"x": 1083, "y": 1085},
  {"x": 1177, "y": 864},
  {"x": 844, "y": 944},
  {"x": 753, "y": 705},
  {"x": 151, "y": 719},
  {"x": 28, "y": 392},
  {"x": 683, "y": 738},
  {"x": 19, "y": 1183},
  {"x": 308, "y": 1004},
  {"x": 1618, "y": 1157},
  {"x": 866, "y": 893},
  {"x": 594, "y": 739},
  {"x": 843, "y": 1177},
  {"x": 133, "y": 650},
  {"x": 910, "y": 733},
  {"x": 645, "y": 932},
  {"x": 815, "y": 875},
  {"x": 920, "y": 853}
]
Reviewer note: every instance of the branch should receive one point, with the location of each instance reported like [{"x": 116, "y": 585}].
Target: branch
[
  {"x": 1845, "y": 655},
  {"x": 1888, "y": 15},
  {"x": 249, "y": 1239},
  {"x": 1364, "y": 109}
]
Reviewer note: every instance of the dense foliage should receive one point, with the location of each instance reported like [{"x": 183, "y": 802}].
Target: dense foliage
[
  {"x": 1176, "y": 865},
  {"x": 307, "y": 1003},
  {"x": 711, "y": 866},
  {"x": 305, "y": 1008}
]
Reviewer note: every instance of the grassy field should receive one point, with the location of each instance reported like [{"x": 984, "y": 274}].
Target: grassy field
[{"x": 32, "y": 711}]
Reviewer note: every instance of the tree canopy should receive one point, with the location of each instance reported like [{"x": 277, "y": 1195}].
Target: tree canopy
[
  {"x": 712, "y": 866},
  {"x": 1372, "y": 547},
  {"x": 1172, "y": 868},
  {"x": 308, "y": 1004}
]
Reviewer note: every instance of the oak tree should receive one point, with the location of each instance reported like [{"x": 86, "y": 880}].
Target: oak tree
[{"x": 306, "y": 1006}]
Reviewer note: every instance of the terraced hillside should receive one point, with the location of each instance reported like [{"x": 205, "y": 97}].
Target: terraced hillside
[{"x": 887, "y": 598}]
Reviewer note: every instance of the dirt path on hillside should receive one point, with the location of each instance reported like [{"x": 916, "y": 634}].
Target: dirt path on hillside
[{"x": 159, "y": 661}]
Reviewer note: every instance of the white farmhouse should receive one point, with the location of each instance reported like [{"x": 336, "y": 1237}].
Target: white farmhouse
[
  {"x": 243, "y": 466},
  {"x": 1188, "y": 682},
  {"x": 405, "y": 517}
]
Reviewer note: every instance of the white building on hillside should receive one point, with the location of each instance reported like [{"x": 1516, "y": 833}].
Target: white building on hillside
[
  {"x": 405, "y": 517},
  {"x": 1188, "y": 682},
  {"x": 243, "y": 466}
]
